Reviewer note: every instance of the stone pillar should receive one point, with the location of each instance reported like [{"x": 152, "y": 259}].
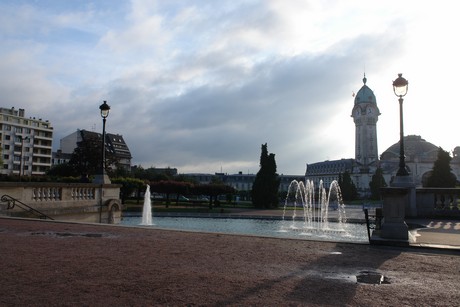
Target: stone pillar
[
  {"x": 394, "y": 203},
  {"x": 408, "y": 183}
]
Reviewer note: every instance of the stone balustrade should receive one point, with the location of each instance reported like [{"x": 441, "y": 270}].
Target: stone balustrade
[
  {"x": 438, "y": 202},
  {"x": 66, "y": 201}
]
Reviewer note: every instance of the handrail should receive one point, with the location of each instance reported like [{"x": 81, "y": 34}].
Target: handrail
[
  {"x": 13, "y": 202},
  {"x": 373, "y": 221}
]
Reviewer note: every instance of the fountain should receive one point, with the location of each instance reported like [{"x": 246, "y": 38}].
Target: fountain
[
  {"x": 147, "y": 210},
  {"x": 315, "y": 214},
  {"x": 317, "y": 221}
]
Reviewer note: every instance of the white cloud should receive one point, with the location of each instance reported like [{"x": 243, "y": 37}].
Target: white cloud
[{"x": 201, "y": 85}]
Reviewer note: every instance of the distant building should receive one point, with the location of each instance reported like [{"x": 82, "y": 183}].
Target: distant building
[
  {"x": 328, "y": 171},
  {"x": 365, "y": 113},
  {"x": 240, "y": 181},
  {"x": 114, "y": 143},
  {"x": 60, "y": 158},
  {"x": 26, "y": 143},
  {"x": 420, "y": 154}
]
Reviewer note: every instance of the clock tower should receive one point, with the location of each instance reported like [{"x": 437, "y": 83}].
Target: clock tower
[{"x": 365, "y": 115}]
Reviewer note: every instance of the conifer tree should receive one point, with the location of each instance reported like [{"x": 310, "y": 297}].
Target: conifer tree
[
  {"x": 441, "y": 175},
  {"x": 347, "y": 187},
  {"x": 266, "y": 184},
  {"x": 376, "y": 183}
]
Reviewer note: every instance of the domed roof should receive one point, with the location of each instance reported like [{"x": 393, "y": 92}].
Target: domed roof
[
  {"x": 365, "y": 94},
  {"x": 414, "y": 148}
]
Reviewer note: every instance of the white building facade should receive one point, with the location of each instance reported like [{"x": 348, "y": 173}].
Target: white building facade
[{"x": 26, "y": 143}]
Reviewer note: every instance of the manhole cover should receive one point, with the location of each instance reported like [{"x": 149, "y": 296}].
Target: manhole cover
[{"x": 374, "y": 278}]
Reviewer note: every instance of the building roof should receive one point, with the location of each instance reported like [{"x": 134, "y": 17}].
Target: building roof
[
  {"x": 114, "y": 143},
  {"x": 118, "y": 146},
  {"x": 365, "y": 94},
  {"x": 415, "y": 148},
  {"x": 329, "y": 167}
]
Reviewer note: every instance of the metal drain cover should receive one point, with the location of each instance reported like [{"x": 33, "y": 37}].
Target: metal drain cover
[{"x": 369, "y": 277}]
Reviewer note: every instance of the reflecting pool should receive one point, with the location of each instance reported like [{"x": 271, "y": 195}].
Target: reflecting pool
[{"x": 335, "y": 232}]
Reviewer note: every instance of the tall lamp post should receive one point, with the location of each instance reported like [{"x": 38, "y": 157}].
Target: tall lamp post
[
  {"x": 102, "y": 178},
  {"x": 400, "y": 86}
]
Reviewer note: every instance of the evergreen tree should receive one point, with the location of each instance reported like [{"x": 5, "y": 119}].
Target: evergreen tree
[
  {"x": 441, "y": 175},
  {"x": 266, "y": 184},
  {"x": 376, "y": 183},
  {"x": 347, "y": 187}
]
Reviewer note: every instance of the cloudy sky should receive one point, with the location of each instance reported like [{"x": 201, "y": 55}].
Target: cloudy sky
[{"x": 200, "y": 85}]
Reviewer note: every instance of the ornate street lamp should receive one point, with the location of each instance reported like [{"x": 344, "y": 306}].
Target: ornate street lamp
[
  {"x": 102, "y": 178},
  {"x": 400, "y": 86}
]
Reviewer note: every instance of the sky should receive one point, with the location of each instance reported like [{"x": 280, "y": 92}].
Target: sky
[{"x": 200, "y": 85}]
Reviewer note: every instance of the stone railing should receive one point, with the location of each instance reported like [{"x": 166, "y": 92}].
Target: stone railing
[
  {"x": 438, "y": 202},
  {"x": 70, "y": 201}
]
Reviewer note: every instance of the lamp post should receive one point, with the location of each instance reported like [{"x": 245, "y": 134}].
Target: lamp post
[
  {"x": 400, "y": 86},
  {"x": 102, "y": 178}
]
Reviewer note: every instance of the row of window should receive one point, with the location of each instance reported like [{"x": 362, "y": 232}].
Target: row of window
[
  {"x": 16, "y": 129},
  {"x": 25, "y": 122}
]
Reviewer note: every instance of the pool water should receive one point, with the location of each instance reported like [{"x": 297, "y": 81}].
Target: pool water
[{"x": 348, "y": 232}]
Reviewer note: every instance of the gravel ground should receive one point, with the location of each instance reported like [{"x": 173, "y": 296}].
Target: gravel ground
[{"x": 67, "y": 264}]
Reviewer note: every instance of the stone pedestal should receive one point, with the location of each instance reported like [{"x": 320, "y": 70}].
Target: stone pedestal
[
  {"x": 394, "y": 203},
  {"x": 408, "y": 183}
]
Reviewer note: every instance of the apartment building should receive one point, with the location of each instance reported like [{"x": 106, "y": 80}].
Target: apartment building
[
  {"x": 114, "y": 143},
  {"x": 26, "y": 143}
]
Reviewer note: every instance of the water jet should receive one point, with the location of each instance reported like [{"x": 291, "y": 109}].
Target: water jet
[{"x": 147, "y": 209}]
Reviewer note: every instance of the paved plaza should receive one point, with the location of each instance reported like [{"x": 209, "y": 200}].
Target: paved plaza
[{"x": 70, "y": 264}]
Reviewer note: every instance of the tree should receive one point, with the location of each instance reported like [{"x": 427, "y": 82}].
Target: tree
[
  {"x": 169, "y": 187},
  {"x": 213, "y": 190},
  {"x": 128, "y": 187},
  {"x": 347, "y": 187},
  {"x": 86, "y": 157},
  {"x": 441, "y": 174},
  {"x": 266, "y": 184},
  {"x": 376, "y": 183},
  {"x": 63, "y": 170},
  {"x": 153, "y": 174}
]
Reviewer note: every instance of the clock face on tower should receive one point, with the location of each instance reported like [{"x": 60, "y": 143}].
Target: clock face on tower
[{"x": 370, "y": 111}]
